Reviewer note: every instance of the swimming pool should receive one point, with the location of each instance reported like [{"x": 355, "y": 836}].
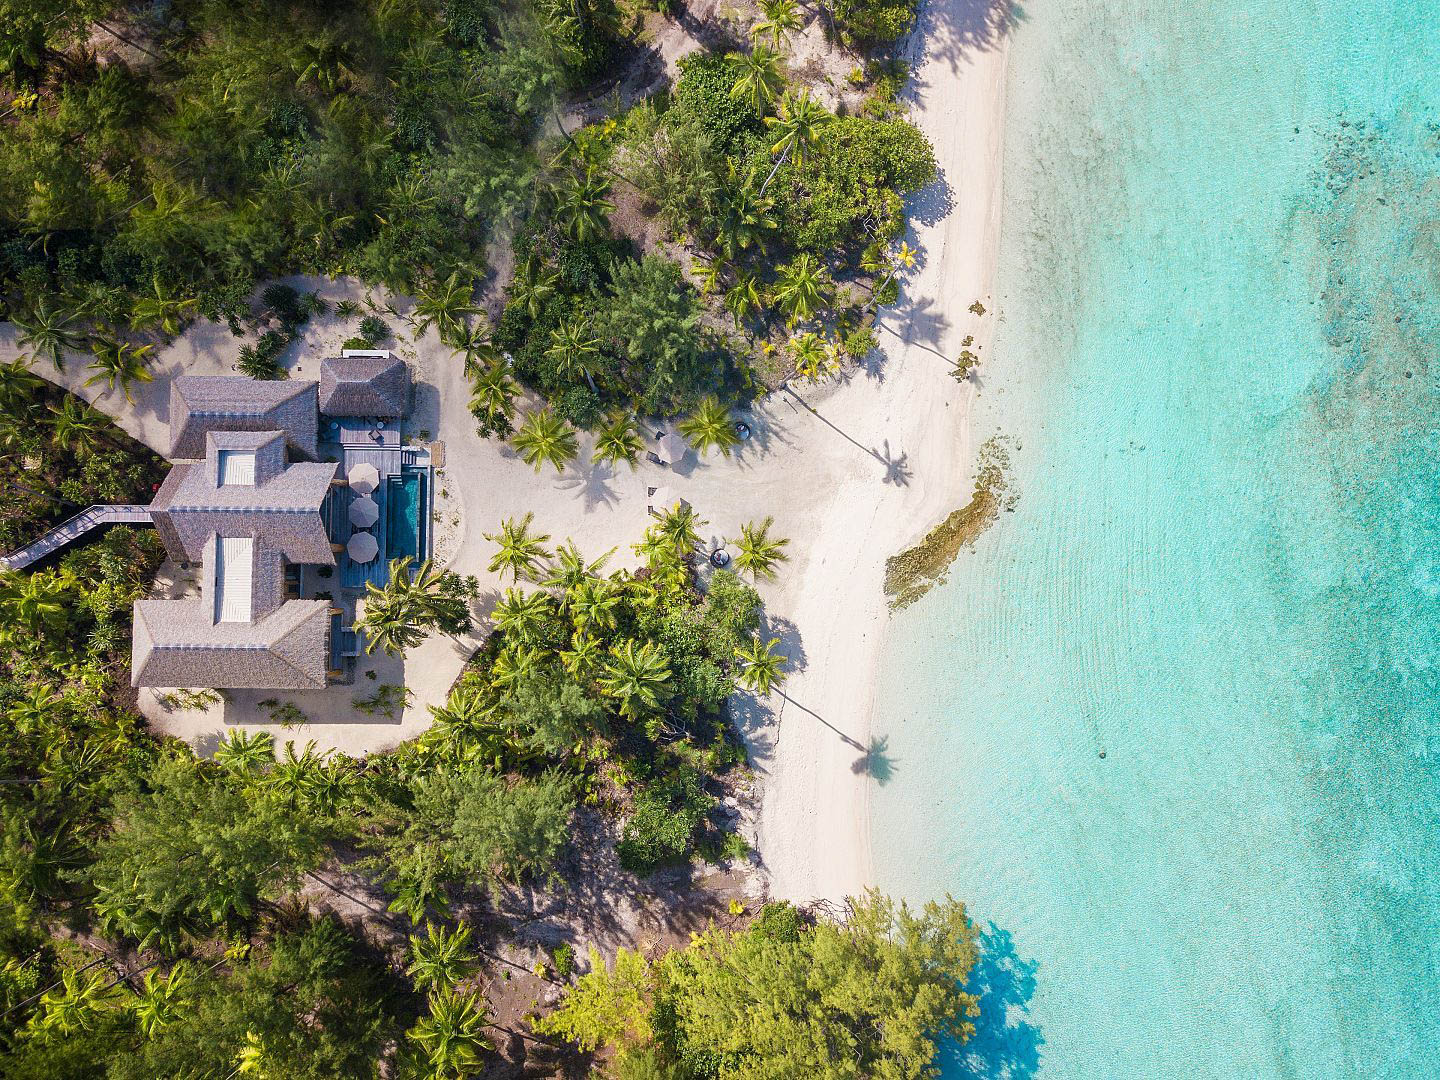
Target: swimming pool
[{"x": 406, "y": 527}]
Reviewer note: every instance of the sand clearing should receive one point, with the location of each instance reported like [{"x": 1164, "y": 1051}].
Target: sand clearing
[{"x": 852, "y": 474}]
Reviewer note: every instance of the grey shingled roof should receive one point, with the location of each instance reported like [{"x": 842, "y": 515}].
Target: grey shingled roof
[
  {"x": 200, "y": 404},
  {"x": 365, "y": 386},
  {"x": 178, "y": 643},
  {"x": 283, "y": 508}
]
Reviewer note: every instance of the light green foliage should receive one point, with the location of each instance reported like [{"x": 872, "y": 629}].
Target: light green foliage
[
  {"x": 192, "y": 853},
  {"x": 468, "y": 823},
  {"x": 607, "y": 1006},
  {"x": 868, "y": 998}
]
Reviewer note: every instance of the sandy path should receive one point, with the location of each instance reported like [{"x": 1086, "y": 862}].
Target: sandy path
[{"x": 861, "y": 475}]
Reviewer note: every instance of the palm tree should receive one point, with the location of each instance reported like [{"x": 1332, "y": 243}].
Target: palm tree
[
  {"x": 903, "y": 259},
  {"x": 520, "y": 554},
  {"x": 162, "y": 308},
  {"x": 679, "y": 528},
  {"x": 77, "y": 1004},
  {"x": 759, "y": 554},
  {"x": 478, "y": 350},
  {"x": 158, "y": 1003},
  {"x": 744, "y": 216},
  {"x": 31, "y": 604},
  {"x": 18, "y": 384},
  {"x": 446, "y": 307},
  {"x": 492, "y": 398},
  {"x": 246, "y": 753},
  {"x": 545, "y": 439},
  {"x": 119, "y": 362},
  {"x": 812, "y": 360},
  {"x": 799, "y": 123},
  {"x": 709, "y": 425},
  {"x": 745, "y": 297},
  {"x": 782, "y": 17},
  {"x": 636, "y": 676},
  {"x": 534, "y": 284},
  {"x": 77, "y": 427},
  {"x": 441, "y": 958},
  {"x": 324, "y": 61},
  {"x": 573, "y": 349},
  {"x": 758, "y": 78},
  {"x": 594, "y": 604},
  {"x": 398, "y": 616},
  {"x": 451, "y": 1035},
  {"x": 522, "y": 616},
  {"x": 48, "y": 329},
  {"x": 761, "y": 666},
  {"x": 572, "y": 569},
  {"x": 711, "y": 273},
  {"x": 583, "y": 206},
  {"x": 802, "y": 288},
  {"x": 619, "y": 440},
  {"x": 584, "y": 657}
]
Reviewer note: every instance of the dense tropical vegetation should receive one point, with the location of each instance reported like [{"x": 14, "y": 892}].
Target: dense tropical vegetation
[{"x": 159, "y": 911}]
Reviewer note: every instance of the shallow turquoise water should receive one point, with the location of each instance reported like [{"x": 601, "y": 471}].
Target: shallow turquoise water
[{"x": 1217, "y": 371}]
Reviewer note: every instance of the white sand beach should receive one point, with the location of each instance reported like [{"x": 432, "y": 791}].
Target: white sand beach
[{"x": 852, "y": 473}]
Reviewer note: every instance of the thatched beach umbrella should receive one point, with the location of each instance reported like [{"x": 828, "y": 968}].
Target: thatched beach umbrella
[
  {"x": 364, "y": 512},
  {"x": 363, "y": 547},
  {"x": 364, "y": 477},
  {"x": 673, "y": 446}
]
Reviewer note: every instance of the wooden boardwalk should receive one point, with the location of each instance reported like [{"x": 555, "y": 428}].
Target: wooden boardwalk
[{"x": 69, "y": 531}]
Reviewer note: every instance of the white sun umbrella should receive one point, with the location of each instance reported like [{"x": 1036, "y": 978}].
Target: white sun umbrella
[
  {"x": 673, "y": 446},
  {"x": 363, "y": 547},
  {"x": 363, "y": 477},
  {"x": 662, "y": 498},
  {"x": 364, "y": 512}
]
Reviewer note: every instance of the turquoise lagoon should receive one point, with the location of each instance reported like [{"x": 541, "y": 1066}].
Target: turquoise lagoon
[{"x": 1218, "y": 367}]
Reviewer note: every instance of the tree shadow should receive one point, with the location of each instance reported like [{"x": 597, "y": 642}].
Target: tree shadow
[
  {"x": 791, "y": 646},
  {"x": 590, "y": 483},
  {"x": 897, "y": 468},
  {"x": 848, "y": 740},
  {"x": 876, "y": 762},
  {"x": 1005, "y": 1046},
  {"x": 951, "y": 30}
]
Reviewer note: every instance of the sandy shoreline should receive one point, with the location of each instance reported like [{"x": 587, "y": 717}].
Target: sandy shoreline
[
  {"x": 851, "y": 474},
  {"x": 814, "y": 825}
]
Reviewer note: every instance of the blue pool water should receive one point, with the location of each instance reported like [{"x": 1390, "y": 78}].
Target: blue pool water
[
  {"x": 1217, "y": 370},
  {"x": 405, "y": 525}
]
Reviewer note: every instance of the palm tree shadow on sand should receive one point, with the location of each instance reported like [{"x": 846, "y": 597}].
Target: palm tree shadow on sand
[
  {"x": 1005, "y": 1046},
  {"x": 875, "y": 762}
]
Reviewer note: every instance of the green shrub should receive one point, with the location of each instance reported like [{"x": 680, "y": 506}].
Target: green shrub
[
  {"x": 373, "y": 331},
  {"x": 703, "y": 91},
  {"x": 850, "y": 189},
  {"x": 662, "y": 825},
  {"x": 874, "y": 20},
  {"x": 562, "y": 958},
  {"x": 780, "y": 922}
]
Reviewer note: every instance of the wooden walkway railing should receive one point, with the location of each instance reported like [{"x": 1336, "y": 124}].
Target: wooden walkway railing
[{"x": 92, "y": 517}]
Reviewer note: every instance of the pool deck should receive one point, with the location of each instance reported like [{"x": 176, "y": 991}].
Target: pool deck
[{"x": 384, "y": 449}]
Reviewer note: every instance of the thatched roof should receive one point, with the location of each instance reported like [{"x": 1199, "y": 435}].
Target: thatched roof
[
  {"x": 282, "y": 506},
  {"x": 179, "y": 643},
  {"x": 200, "y": 404},
  {"x": 365, "y": 384}
]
